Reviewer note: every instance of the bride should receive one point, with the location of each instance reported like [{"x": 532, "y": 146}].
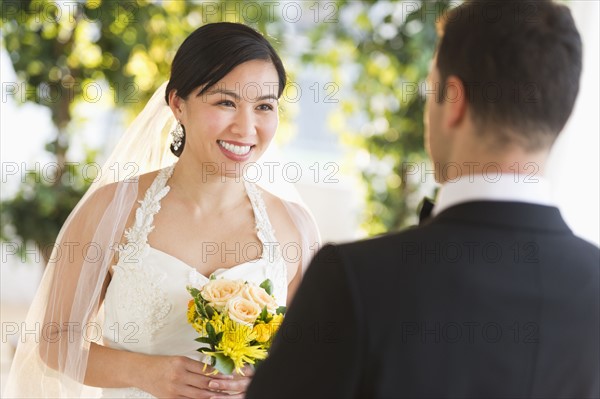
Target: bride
[{"x": 109, "y": 318}]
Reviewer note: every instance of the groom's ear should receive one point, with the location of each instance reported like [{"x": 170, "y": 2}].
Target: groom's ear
[{"x": 455, "y": 102}]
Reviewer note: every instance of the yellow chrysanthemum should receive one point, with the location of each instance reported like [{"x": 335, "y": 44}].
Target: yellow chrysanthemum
[
  {"x": 191, "y": 312},
  {"x": 235, "y": 345},
  {"x": 199, "y": 327},
  {"x": 217, "y": 323}
]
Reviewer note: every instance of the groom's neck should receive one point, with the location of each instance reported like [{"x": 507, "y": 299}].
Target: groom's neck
[{"x": 483, "y": 157}]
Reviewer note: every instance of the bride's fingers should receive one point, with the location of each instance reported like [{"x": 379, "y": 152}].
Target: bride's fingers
[
  {"x": 196, "y": 381},
  {"x": 205, "y": 370},
  {"x": 213, "y": 373},
  {"x": 236, "y": 386},
  {"x": 215, "y": 385},
  {"x": 222, "y": 376},
  {"x": 201, "y": 377},
  {"x": 248, "y": 372},
  {"x": 196, "y": 367},
  {"x": 236, "y": 396}
]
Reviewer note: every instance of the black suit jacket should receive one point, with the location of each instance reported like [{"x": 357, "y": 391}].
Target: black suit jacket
[{"x": 486, "y": 300}]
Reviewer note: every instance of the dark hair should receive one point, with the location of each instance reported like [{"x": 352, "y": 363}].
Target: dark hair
[
  {"x": 520, "y": 62},
  {"x": 214, "y": 50}
]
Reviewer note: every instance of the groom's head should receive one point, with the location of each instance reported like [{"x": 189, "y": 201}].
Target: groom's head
[{"x": 505, "y": 76}]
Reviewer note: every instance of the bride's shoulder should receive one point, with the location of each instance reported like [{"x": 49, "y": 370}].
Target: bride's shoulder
[
  {"x": 280, "y": 218},
  {"x": 287, "y": 218},
  {"x": 145, "y": 180},
  {"x": 277, "y": 211}
]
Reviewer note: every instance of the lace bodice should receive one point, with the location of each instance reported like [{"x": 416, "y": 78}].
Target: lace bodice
[{"x": 146, "y": 301}]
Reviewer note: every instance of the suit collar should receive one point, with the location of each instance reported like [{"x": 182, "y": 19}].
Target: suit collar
[
  {"x": 504, "y": 214},
  {"x": 506, "y": 187}
]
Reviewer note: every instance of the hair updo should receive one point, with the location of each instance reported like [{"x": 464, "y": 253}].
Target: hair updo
[{"x": 212, "y": 51}]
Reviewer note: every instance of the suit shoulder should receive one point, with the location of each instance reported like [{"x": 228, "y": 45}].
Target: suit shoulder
[
  {"x": 587, "y": 246},
  {"x": 367, "y": 254},
  {"x": 587, "y": 256}
]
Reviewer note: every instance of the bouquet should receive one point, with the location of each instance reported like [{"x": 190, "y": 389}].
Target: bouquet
[{"x": 236, "y": 320}]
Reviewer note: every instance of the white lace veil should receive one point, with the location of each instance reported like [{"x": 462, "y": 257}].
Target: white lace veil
[{"x": 65, "y": 316}]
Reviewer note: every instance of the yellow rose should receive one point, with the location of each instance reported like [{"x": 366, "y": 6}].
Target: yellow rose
[
  {"x": 276, "y": 321},
  {"x": 259, "y": 296},
  {"x": 243, "y": 311},
  {"x": 263, "y": 332},
  {"x": 218, "y": 292}
]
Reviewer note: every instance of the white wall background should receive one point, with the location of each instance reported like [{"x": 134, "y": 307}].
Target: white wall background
[{"x": 574, "y": 165}]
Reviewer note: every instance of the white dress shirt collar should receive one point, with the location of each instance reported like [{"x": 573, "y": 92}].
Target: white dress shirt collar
[{"x": 508, "y": 187}]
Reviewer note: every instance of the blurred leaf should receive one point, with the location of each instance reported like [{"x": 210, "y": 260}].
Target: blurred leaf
[{"x": 390, "y": 73}]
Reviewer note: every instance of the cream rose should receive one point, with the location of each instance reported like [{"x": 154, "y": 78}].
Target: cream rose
[
  {"x": 259, "y": 296},
  {"x": 218, "y": 292},
  {"x": 243, "y": 311}
]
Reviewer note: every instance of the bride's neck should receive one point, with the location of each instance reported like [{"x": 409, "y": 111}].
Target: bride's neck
[{"x": 204, "y": 188}]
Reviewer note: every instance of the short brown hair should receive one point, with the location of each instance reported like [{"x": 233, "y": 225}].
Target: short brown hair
[{"x": 520, "y": 62}]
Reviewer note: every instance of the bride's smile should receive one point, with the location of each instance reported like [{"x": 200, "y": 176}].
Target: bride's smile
[
  {"x": 234, "y": 120},
  {"x": 235, "y": 151}
]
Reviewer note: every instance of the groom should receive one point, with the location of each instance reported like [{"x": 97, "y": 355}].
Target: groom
[{"x": 492, "y": 295}]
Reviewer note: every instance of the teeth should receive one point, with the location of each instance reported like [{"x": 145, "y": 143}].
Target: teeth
[{"x": 236, "y": 149}]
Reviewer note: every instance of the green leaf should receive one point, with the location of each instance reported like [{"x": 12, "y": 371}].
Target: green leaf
[
  {"x": 281, "y": 310},
  {"x": 208, "y": 352},
  {"x": 224, "y": 364},
  {"x": 212, "y": 335},
  {"x": 203, "y": 340},
  {"x": 200, "y": 308},
  {"x": 263, "y": 315},
  {"x": 219, "y": 337},
  {"x": 195, "y": 292},
  {"x": 213, "y": 277},
  {"x": 267, "y": 285},
  {"x": 210, "y": 312}
]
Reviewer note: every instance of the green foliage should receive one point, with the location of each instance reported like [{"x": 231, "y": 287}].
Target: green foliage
[
  {"x": 392, "y": 53},
  {"x": 40, "y": 207},
  {"x": 281, "y": 310},
  {"x": 267, "y": 285},
  {"x": 222, "y": 363}
]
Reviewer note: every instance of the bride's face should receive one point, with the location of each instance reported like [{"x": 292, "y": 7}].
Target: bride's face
[{"x": 235, "y": 120}]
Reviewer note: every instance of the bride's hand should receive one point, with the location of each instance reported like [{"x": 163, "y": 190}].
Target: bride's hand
[
  {"x": 181, "y": 377},
  {"x": 242, "y": 382}
]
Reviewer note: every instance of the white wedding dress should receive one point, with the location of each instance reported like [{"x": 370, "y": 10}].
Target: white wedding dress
[{"x": 146, "y": 301}]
